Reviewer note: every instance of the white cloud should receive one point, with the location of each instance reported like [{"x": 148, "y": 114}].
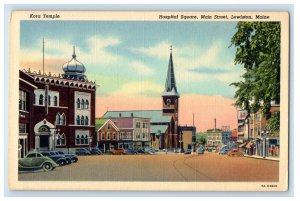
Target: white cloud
[
  {"x": 159, "y": 50},
  {"x": 141, "y": 68}
]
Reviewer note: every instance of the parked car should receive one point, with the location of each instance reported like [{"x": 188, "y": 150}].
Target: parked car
[
  {"x": 188, "y": 151},
  {"x": 59, "y": 159},
  {"x": 200, "y": 150},
  {"x": 140, "y": 151},
  {"x": 82, "y": 151},
  {"x": 69, "y": 160},
  {"x": 73, "y": 157},
  {"x": 96, "y": 151},
  {"x": 209, "y": 149},
  {"x": 131, "y": 152},
  {"x": 119, "y": 151},
  {"x": 36, "y": 160},
  {"x": 223, "y": 151},
  {"x": 235, "y": 152},
  {"x": 152, "y": 152}
]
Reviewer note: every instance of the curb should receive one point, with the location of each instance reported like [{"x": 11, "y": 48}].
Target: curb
[{"x": 261, "y": 158}]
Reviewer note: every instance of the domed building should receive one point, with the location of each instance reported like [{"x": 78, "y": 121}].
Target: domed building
[
  {"x": 56, "y": 112},
  {"x": 74, "y": 69}
]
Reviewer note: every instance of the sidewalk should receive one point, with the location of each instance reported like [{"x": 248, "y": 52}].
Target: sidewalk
[{"x": 260, "y": 157}]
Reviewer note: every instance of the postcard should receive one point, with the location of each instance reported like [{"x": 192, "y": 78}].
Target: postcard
[{"x": 148, "y": 101}]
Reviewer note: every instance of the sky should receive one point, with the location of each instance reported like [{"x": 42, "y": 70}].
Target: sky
[{"x": 129, "y": 62}]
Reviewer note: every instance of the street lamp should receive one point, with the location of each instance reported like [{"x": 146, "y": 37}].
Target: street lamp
[{"x": 264, "y": 134}]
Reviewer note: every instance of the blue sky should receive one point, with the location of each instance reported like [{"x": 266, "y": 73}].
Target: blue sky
[{"x": 131, "y": 57}]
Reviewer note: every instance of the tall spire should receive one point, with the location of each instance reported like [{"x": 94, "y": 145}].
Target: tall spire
[{"x": 170, "y": 86}]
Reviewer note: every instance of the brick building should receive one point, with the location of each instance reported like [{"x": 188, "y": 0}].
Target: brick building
[
  {"x": 56, "y": 112},
  {"x": 123, "y": 132}
]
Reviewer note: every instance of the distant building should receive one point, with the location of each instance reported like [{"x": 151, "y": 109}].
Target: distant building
[
  {"x": 123, "y": 132},
  {"x": 56, "y": 112},
  {"x": 187, "y": 137}
]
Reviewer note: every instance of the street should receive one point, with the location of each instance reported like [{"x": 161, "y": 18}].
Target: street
[{"x": 171, "y": 167}]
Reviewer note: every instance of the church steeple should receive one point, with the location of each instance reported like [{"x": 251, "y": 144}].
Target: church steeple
[{"x": 170, "y": 86}]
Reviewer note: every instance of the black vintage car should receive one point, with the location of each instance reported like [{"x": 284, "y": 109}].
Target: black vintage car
[
  {"x": 73, "y": 157},
  {"x": 59, "y": 159}
]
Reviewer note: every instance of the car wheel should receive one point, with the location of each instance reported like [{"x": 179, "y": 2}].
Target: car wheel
[
  {"x": 62, "y": 163},
  {"x": 47, "y": 167},
  {"x": 75, "y": 160}
]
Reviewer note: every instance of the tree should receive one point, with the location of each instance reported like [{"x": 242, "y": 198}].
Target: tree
[
  {"x": 201, "y": 138},
  {"x": 274, "y": 123},
  {"x": 258, "y": 51}
]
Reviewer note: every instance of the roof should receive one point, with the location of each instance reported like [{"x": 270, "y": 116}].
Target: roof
[
  {"x": 156, "y": 116},
  {"x": 99, "y": 123},
  {"x": 156, "y": 128},
  {"x": 170, "y": 86}
]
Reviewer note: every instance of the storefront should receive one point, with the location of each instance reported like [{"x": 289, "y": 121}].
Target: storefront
[{"x": 268, "y": 147}]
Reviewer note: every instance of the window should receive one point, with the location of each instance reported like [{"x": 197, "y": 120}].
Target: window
[
  {"x": 61, "y": 140},
  {"x": 77, "y": 139},
  {"x": 22, "y": 128},
  {"x": 86, "y": 140},
  {"x": 33, "y": 155},
  {"x": 108, "y": 136},
  {"x": 41, "y": 100},
  {"x": 82, "y": 103},
  {"x": 144, "y": 135},
  {"x": 86, "y": 104},
  {"x": 62, "y": 119},
  {"x": 22, "y": 100},
  {"x": 114, "y": 136},
  {"x": 82, "y": 120},
  {"x": 86, "y": 120},
  {"x": 78, "y": 120},
  {"x": 34, "y": 99},
  {"x": 78, "y": 103},
  {"x": 138, "y": 124},
  {"x": 82, "y": 139},
  {"x": 55, "y": 100},
  {"x": 108, "y": 126},
  {"x": 49, "y": 100},
  {"x": 102, "y": 136},
  {"x": 57, "y": 119}
]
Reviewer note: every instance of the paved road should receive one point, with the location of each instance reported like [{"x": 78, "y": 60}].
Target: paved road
[{"x": 172, "y": 167}]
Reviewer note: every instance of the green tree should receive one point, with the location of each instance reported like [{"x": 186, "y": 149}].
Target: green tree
[
  {"x": 274, "y": 123},
  {"x": 258, "y": 51},
  {"x": 201, "y": 138}
]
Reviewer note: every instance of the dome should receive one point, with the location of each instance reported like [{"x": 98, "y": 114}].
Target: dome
[{"x": 73, "y": 66}]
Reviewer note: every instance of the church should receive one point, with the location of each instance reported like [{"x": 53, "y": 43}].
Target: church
[
  {"x": 56, "y": 112},
  {"x": 164, "y": 127}
]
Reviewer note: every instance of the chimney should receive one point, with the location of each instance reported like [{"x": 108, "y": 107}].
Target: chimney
[{"x": 215, "y": 123}]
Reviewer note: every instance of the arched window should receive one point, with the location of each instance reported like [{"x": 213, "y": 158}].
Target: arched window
[
  {"x": 78, "y": 103},
  {"x": 62, "y": 119},
  {"x": 86, "y": 120},
  {"x": 114, "y": 136},
  {"x": 57, "y": 119},
  {"x": 102, "y": 136},
  {"x": 55, "y": 100},
  {"x": 82, "y": 120},
  {"x": 108, "y": 136},
  {"x": 86, "y": 140},
  {"x": 77, "y": 139},
  {"x": 86, "y": 104},
  {"x": 78, "y": 120},
  {"x": 41, "y": 100},
  {"x": 82, "y": 139},
  {"x": 82, "y": 103},
  {"x": 49, "y": 100}
]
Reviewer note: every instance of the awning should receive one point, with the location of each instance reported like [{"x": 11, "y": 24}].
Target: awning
[{"x": 242, "y": 145}]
